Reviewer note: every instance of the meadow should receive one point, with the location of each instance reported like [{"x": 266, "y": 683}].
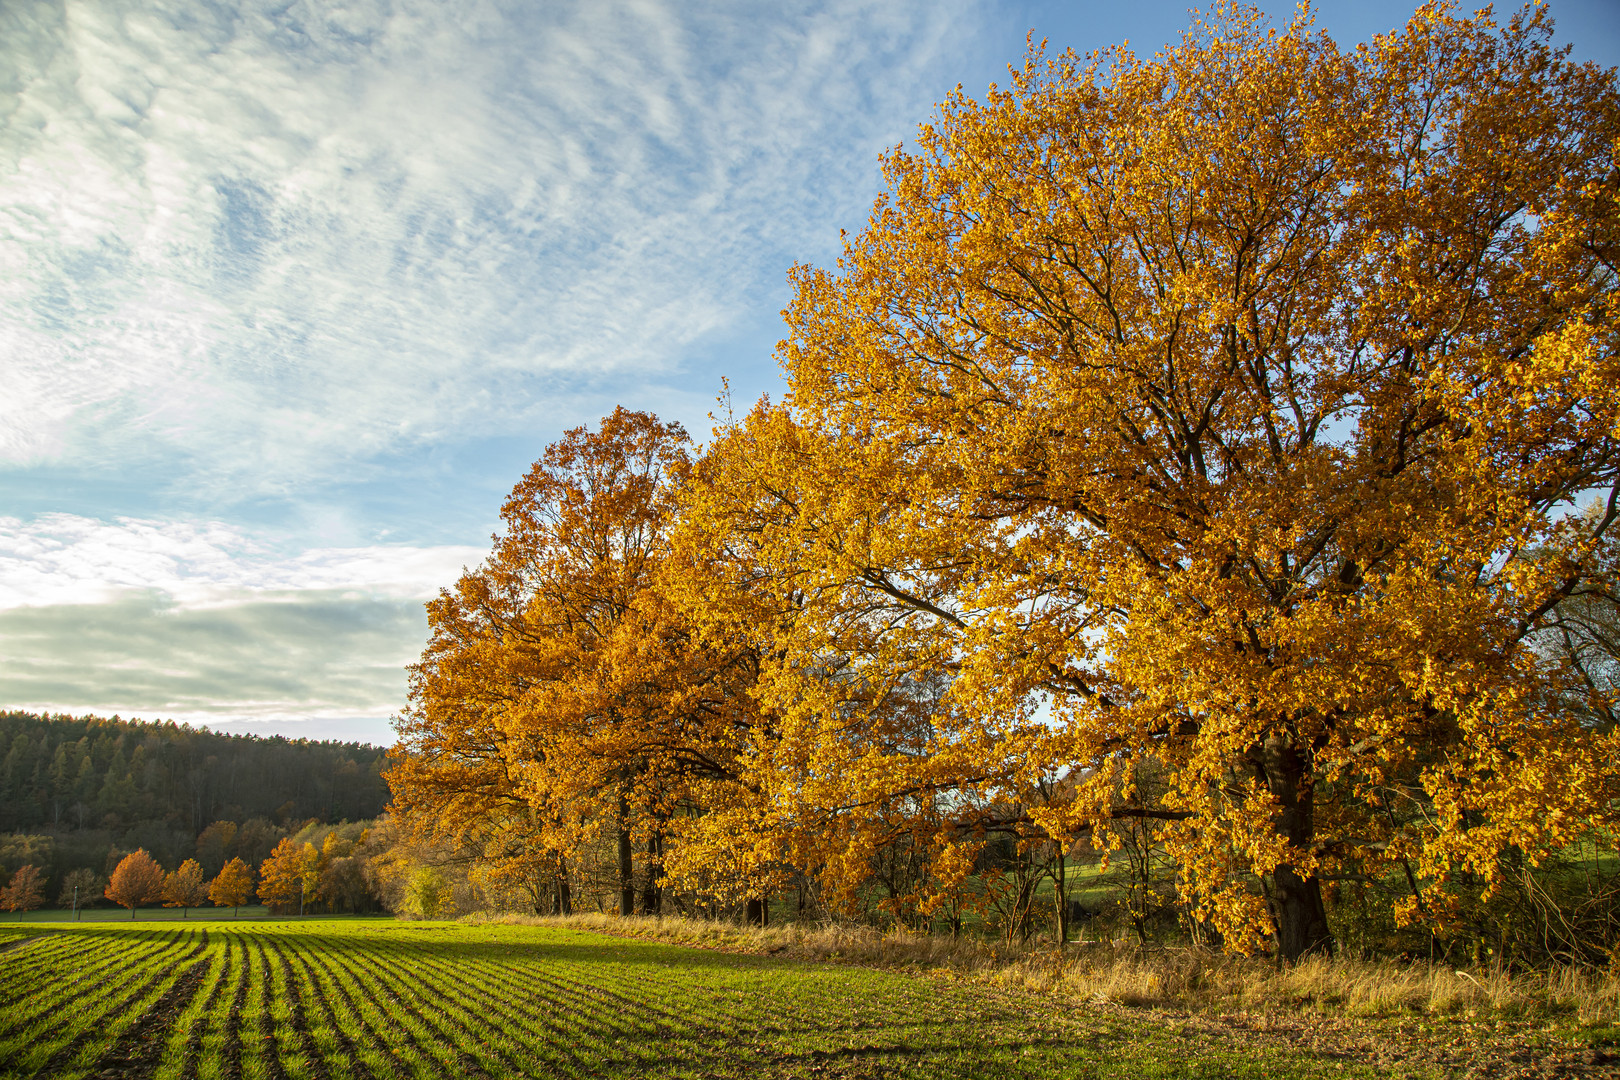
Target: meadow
[{"x": 371, "y": 1000}]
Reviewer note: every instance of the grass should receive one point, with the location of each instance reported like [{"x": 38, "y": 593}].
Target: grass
[
  {"x": 367, "y": 1000},
  {"x": 142, "y": 914},
  {"x": 1187, "y": 979}
]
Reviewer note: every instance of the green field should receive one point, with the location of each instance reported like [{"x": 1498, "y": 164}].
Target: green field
[
  {"x": 325, "y": 999},
  {"x": 145, "y": 914}
]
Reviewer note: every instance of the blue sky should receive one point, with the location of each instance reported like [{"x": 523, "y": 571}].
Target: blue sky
[{"x": 292, "y": 293}]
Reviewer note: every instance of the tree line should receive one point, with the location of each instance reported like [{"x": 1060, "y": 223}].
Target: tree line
[
  {"x": 78, "y": 794},
  {"x": 1203, "y": 463},
  {"x": 67, "y": 773},
  {"x": 320, "y": 869}
]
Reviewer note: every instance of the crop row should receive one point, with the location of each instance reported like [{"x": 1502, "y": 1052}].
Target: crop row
[
  {"x": 372, "y": 1001},
  {"x": 303, "y": 1003}
]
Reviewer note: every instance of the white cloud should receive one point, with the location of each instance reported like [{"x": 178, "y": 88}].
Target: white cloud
[
  {"x": 266, "y": 240},
  {"x": 310, "y": 654},
  {"x": 204, "y": 622},
  {"x": 272, "y": 249},
  {"x": 65, "y": 559}
]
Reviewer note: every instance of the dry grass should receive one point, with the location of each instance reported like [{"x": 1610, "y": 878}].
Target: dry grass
[
  {"x": 1195, "y": 980},
  {"x": 1201, "y": 980}
]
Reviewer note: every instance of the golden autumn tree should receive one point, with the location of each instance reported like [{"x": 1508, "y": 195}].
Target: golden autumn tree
[
  {"x": 25, "y": 891},
  {"x": 1221, "y": 410},
  {"x": 291, "y": 875},
  {"x": 562, "y": 696},
  {"x": 232, "y": 886},
  {"x": 137, "y": 880},
  {"x": 185, "y": 887}
]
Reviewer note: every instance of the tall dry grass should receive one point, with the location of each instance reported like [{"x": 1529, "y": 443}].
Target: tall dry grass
[{"x": 1190, "y": 979}]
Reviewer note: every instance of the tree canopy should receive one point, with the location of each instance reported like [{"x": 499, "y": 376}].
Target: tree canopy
[
  {"x": 232, "y": 886},
  {"x": 137, "y": 880},
  {"x": 563, "y": 695},
  {"x": 1219, "y": 416}
]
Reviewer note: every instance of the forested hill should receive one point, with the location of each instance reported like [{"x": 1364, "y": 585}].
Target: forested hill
[{"x": 70, "y": 773}]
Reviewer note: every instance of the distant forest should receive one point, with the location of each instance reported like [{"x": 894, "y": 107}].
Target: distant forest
[
  {"x": 66, "y": 772},
  {"x": 82, "y": 791}
]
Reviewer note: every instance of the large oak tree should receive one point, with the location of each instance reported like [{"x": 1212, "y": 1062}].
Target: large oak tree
[{"x": 1222, "y": 409}]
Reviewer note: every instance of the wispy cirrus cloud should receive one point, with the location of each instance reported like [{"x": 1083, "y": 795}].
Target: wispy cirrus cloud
[
  {"x": 264, "y": 241},
  {"x": 65, "y": 559},
  {"x": 295, "y": 254}
]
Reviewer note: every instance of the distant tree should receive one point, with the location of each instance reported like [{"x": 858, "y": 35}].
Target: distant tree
[
  {"x": 343, "y": 885},
  {"x": 26, "y": 891},
  {"x": 80, "y": 886},
  {"x": 137, "y": 880},
  {"x": 186, "y": 887},
  {"x": 73, "y": 772},
  {"x": 428, "y": 894},
  {"x": 20, "y": 849},
  {"x": 290, "y": 875},
  {"x": 232, "y": 887},
  {"x": 256, "y": 839}
]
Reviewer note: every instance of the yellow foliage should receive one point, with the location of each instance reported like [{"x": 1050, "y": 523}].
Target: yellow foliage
[
  {"x": 1222, "y": 409},
  {"x": 562, "y": 695},
  {"x": 1218, "y": 412},
  {"x": 233, "y": 886}
]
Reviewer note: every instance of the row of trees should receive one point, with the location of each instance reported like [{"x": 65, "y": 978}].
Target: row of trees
[
  {"x": 319, "y": 869},
  {"x": 1188, "y": 448},
  {"x": 338, "y": 856}
]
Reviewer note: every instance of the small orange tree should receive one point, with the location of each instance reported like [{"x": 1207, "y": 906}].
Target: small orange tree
[
  {"x": 185, "y": 887},
  {"x": 290, "y": 875},
  {"x": 232, "y": 887},
  {"x": 137, "y": 880},
  {"x": 26, "y": 891}
]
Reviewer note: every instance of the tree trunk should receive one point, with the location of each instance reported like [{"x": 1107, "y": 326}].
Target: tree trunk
[
  {"x": 627, "y": 882},
  {"x": 1297, "y": 899},
  {"x": 1061, "y": 895},
  {"x": 1301, "y": 917},
  {"x": 652, "y": 892},
  {"x": 756, "y": 914},
  {"x": 565, "y": 899}
]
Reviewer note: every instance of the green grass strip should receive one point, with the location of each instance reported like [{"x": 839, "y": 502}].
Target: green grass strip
[{"x": 189, "y": 1025}]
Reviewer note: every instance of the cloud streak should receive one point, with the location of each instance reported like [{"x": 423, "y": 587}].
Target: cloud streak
[
  {"x": 266, "y": 241},
  {"x": 64, "y": 559}
]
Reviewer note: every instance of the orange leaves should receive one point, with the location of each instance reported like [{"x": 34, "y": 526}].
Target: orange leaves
[
  {"x": 185, "y": 887},
  {"x": 562, "y": 676},
  {"x": 137, "y": 880},
  {"x": 233, "y": 886},
  {"x": 289, "y": 877}
]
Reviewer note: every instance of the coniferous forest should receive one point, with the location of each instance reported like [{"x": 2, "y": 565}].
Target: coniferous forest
[{"x": 78, "y": 793}]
